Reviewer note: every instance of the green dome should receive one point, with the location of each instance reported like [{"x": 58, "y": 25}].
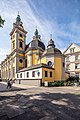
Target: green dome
[
  {"x": 36, "y": 32},
  {"x": 18, "y": 19}
]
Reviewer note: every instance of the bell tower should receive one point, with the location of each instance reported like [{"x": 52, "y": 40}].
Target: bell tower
[
  {"x": 18, "y": 35},
  {"x": 18, "y": 43}
]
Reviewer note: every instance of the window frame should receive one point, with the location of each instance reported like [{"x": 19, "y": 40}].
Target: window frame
[
  {"x": 20, "y": 75},
  {"x": 21, "y": 60},
  {"x": 20, "y": 44},
  {"x": 27, "y": 74},
  {"x": 21, "y": 35},
  {"x": 63, "y": 64},
  {"x": 33, "y": 73},
  {"x": 46, "y": 73},
  {"x": 51, "y": 74},
  {"x": 72, "y": 50}
]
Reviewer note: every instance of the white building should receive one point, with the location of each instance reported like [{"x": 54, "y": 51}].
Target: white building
[{"x": 72, "y": 59}]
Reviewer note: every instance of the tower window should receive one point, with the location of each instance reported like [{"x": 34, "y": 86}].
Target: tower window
[
  {"x": 21, "y": 45},
  {"x": 20, "y": 60},
  {"x": 20, "y": 35}
]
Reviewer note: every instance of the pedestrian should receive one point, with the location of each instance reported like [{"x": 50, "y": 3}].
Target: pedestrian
[
  {"x": 8, "y": 83},
  {"x": 11, "y": 83}
]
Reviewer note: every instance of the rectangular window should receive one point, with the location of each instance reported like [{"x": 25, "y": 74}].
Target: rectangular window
[
  {"x": 27, "y": 74},
  {"x": 21, "y": 44},
  {"x": 72, "y": 50},
  {"x": 46, "y": 73},
  {"x": 63, "y": 64},
  {"x": 20, "y": 35},
  {"x": 77, "y": 66},
  {"x": 76, "y": 57},
  {"x": 20, "y": 75},
  {"x": 67, "y": 67},
  {"x": 33, "y": 73},
  {"x": 50, "y": 74}
]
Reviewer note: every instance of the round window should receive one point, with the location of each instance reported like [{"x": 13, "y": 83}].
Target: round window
[{"x": 49, "y": 63}]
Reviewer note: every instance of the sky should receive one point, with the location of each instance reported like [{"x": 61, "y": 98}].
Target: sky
[{"x": 61, "y": 18}]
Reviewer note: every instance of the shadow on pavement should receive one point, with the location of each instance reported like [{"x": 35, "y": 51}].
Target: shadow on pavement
[
  {"x": 3, "y": 88},
  {"x": 43, "y": 106}
]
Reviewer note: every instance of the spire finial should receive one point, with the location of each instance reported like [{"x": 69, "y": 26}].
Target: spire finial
[
  {"x": 18, "y": 12},
  {"x": 36, "y": 27},
  {"x": 51, "y": 36},
  {"x": 18, "y": 19},
  {"x": 36, "y": 32}
]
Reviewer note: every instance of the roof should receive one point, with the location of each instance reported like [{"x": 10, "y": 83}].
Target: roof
[
  {"x": 78, "y": 44},
  {"x": 51, "y": 51},
  {"x": 35, "y": 44},
  {"x": 35, "y": 67}
]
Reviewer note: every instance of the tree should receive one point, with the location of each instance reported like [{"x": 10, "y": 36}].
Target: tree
[{"x": 1, "y": 22}]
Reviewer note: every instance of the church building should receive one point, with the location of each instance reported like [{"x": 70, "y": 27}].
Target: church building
[{"x": 31, "y": 63}]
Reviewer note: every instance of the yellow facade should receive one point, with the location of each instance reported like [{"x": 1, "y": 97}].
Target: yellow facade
[
  {"x": 34, "y": 57},
  {"x": 43, "y": 60},
  {"x": 58, "y": 68},
  {"x": 47, "y": 79}
]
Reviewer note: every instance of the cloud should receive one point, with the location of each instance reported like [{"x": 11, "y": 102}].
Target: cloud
[
  {"x": 63, "y": 34},
  {"x": 3, "y": 51}
]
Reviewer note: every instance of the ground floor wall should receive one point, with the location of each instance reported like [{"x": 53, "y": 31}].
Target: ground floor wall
[{"x": 29, "y": 82}]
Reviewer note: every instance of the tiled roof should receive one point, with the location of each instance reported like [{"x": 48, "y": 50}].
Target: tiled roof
[{"x": 35, "y": 67}]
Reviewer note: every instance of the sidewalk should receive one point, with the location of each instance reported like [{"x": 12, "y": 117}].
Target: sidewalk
[{"x": 18, "y": 86}]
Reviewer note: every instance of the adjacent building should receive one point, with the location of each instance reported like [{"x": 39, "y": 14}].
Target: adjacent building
[
  {"x": 72, "y": 59},
  {"x": 31, "y": 63}
]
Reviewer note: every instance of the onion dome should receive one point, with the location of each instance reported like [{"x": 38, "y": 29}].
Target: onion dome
[
  {"x": 51, "y": 44},
  {"x": 18, "y": 19}
]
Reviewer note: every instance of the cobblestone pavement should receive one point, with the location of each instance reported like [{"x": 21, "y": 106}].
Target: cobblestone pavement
[{"x": 39, "y": 103}]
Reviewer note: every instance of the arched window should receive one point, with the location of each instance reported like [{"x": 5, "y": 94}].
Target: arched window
[
  {"x": 20, "y": 60},
  {"x": 20, "y": 35}
]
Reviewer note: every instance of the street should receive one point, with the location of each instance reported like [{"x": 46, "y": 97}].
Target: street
[{"x": 39, "y": 103}]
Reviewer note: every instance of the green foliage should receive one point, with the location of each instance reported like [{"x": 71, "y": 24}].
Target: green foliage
[
  {"x": 56, "y": 83},
  {"x": 72, "y": 79},
  {"x": 1, "y": 22}
]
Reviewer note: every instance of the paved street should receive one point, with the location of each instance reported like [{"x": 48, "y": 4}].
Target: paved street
[{"x": 24, "y": 102}]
